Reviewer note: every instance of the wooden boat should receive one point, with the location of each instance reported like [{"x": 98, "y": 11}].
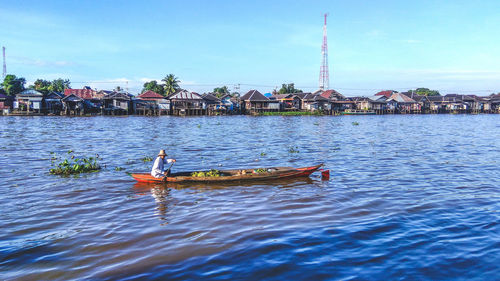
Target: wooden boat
[
  {"x": 358, "y": 112},
  {"x": 232, "y": 175}
]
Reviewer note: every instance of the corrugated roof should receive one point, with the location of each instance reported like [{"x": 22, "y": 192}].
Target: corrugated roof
[
  {"x": 398, "y": 97},
  {"x": 332, "y": 94},
  {"x": 211, "y": 98},
  {"x": 254, "y": 95},
  {"x": 386, "y": 93},
  {"x": 30, "y": 93},
  {"x": 72, "y": 97},
  {"x": 185, "y": 95},
  {"x": 87, "y": 94},
  {"x": 150, "y": 95}
]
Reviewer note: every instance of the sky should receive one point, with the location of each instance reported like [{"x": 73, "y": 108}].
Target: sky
[{"x": 451, "y": 46}]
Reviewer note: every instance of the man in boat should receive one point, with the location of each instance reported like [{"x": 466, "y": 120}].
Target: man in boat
[{"x": 158, "y": 170}]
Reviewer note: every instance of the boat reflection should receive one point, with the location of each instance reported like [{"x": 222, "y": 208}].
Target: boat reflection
[{"x": 162, "y": 193}]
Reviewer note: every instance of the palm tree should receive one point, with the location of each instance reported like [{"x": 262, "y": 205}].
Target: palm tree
[{"x": 171, "y": 84}]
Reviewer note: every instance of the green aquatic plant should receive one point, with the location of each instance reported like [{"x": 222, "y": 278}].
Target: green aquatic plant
[
  {"x": 292, "y": 149},
  {"x": 119, "y": 169},
  {"x": 263, "y": 154},
  {"x": 74, "y": 165},
  {"x": 147, "y": 159},
  {"x": 355, "y": 123}
]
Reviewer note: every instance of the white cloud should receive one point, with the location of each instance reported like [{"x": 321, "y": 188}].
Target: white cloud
[{"x": 38, "y": 62}]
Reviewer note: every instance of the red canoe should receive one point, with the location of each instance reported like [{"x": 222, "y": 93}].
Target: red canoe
[{"x": 232, "y": 175}]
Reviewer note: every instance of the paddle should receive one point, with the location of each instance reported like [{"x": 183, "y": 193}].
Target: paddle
[{"x": 168, "y": 171}]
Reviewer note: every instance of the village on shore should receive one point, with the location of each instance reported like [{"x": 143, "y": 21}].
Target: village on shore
[{"x": 180, "y": 102}]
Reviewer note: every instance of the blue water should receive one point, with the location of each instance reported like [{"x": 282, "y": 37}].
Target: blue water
[{"x": 410, "y": 197}]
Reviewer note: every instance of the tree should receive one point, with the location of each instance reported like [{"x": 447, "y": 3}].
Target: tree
[
  {"x": 41, "y": 86},
  {"x": 425, "y": 92},
  {"x": 171, "y": 84},
  {"x": 288, "y": 88},
  {"x": 219, "y": 92},
  {"x": 154, "y": 86},
  {"x": 13, "y": 85},
  {"x": 59, "y": 85}
]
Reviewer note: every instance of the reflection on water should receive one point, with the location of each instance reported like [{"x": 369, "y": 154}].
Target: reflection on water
[{"x": 409, "y": 197}]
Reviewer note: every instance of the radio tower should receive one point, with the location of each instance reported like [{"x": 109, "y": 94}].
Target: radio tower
[
  {"x": 324, "y": 79},
  {"x": 4, "y": 73}
]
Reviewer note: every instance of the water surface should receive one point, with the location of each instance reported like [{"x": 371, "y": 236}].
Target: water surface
[{"x": 410, "y": 197}]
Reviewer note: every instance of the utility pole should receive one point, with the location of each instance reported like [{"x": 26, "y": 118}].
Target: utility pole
[
  {"x": 324, "y": 79},
  {"x": 4, "y": 73}
]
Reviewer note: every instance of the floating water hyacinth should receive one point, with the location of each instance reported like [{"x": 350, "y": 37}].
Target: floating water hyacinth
[{"x": 74, "y": 165}]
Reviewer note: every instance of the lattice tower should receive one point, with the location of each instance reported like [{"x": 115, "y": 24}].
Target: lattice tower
[{"x": 324, "y": 78}]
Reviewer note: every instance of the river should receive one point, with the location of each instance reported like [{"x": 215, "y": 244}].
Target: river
[{"x": 410, "y": 197}]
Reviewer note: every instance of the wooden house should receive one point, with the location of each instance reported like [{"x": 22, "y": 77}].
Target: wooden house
[
  {"x": 73, "y": 105},
  {"x": 117, "y": 103},
  {"x": 151, "y": 103},
  {"x": 315, "y": 102},
  {"x": 213, "y": 104},
  {"x": 402, "y": 103},
  {"x": 254, "y": 102},
  {"x": 53, "y": 103},
  {"x": 331, "y": 95},
  {"x": 229, "y": 103},
  {"x": 29, "y": 101},
  {"x": 183, "y": 102},
  {"x": 494, "y": 101},
  {"x": 288, "y": 102},
  {"x": 93, "y": 99},
  {"x": 6, "y": 103}
]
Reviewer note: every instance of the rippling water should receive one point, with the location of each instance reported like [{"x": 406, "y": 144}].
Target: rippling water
[{"x": 410, "y": 197}]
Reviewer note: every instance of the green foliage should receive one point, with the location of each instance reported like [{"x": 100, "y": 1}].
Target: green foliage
[
  {"x": 211, "y": 173},
  {"x": 59, "y": 85},
  {"x": 288, "y": 88},
  {"x": 45, "y": 86},
  {"x": 13, "y": 85},
  {"x": 147, "y": 159},
  {"x": 119, "y": 169},
  {"x": 355, "y": 123},
  {"x": 155, "y": 87},
  {"x": 263, "y": 154},
  {"x": 425, "y": 92},
  {"x": 41, "y": 86},
  {"x": 291, "y": 113},
  {"x": 73, "y": 165},
  {"x": 219, "y": 92},
  {"x": 292, "y": 149},
  {"x": 171, "y": 84}
]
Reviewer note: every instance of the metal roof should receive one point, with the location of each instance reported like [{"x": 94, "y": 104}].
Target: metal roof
[
  {"x": 185, "y": 95},
  {"x": 30, "y": 93}
]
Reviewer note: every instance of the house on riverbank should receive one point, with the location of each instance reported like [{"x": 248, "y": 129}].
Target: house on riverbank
[
  {"x": 117, "y": 103},
  {"x": 185, "y": 103},
  {"x": 85, "y": 101},
  {"x": 253, "y": 102},
  {"x": 6, "y": 103},
  {"x": 29, "y": 102},
  {"x": 151, "y": 103},
  {"x": 53, "y": 103}
]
